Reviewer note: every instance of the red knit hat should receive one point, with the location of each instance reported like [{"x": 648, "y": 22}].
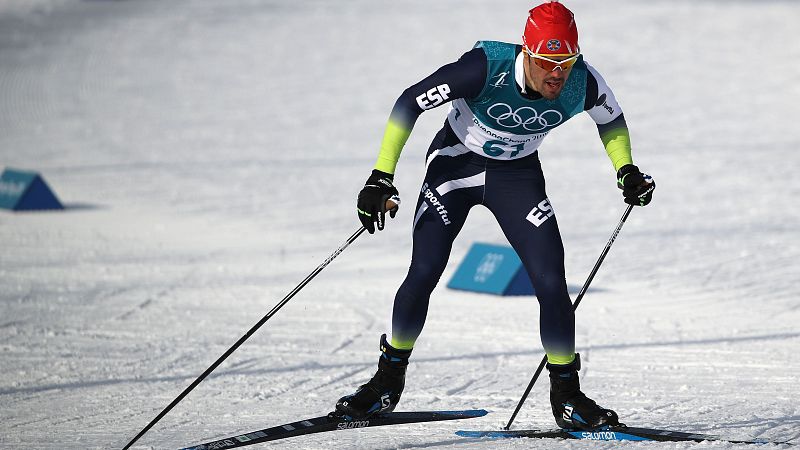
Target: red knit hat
[{"x": 551, "y": 30}]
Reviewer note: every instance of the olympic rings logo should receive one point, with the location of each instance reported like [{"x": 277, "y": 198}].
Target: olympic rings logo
[{"x": 524, "y": 116}]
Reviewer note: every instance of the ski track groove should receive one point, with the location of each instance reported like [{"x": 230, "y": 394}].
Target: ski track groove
[
  {"x": 242, "y": 365},
  {"x": 185, "y": 280},
  {"x": 370, "y": 320},
  {"x": 345, "y": 343},
  {"x": 290, "y": 387},
  {"x": 32, "y": 422},
  {"x": 459, "y": 389},
  {"x": 148, "y": 302},
  {"x": 344, "y": 376},
  {"x": 13, "y": 323}
]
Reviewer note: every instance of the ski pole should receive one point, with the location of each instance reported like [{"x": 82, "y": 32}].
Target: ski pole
[
  {"x": 392, "y": 203},
  {"x": 574, "y": 307}
]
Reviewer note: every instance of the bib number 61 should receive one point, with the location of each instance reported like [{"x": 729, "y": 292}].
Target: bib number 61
[{"x": 497, "y": 148}]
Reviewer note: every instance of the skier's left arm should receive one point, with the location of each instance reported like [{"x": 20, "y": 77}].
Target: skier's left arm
[{"x": 603, "y": 108}]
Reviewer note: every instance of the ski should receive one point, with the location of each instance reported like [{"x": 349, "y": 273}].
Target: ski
[
  {"x": 335, "y": 423},
  {"x": 620, "y": 433}
]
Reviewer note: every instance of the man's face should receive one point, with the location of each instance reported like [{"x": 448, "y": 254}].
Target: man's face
[{"x": 548, "y": 83}]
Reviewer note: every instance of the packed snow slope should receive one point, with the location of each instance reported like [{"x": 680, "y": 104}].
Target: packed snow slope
[{"x": 209, "y": 154}]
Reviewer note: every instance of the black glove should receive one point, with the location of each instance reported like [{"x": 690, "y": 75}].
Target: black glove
[
  {"x": 372, "y": 200},
  {"x": 637, "y": 187}
]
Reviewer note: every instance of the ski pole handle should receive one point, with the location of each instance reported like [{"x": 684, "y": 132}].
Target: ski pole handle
[{"x": 392, "y": 203}]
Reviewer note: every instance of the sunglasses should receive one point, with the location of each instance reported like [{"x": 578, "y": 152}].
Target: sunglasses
[{"x": 551, "y": 64}]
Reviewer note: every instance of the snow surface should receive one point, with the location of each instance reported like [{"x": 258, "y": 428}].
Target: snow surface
[{"x": 210, "y": 154}]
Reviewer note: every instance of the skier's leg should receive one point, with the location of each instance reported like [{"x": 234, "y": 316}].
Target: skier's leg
[
  {"x": 515, "y": 194},
  {"x": 528, "y": 220},
  {"x": 442, "y": 207},
  {"x": 453, "y": 184},
  {"x": 437, "y": 223}
]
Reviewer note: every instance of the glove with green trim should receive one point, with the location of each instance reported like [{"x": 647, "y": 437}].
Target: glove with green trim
[
  {"x": 372, "y": 200},
  {"x": 637, "y": 187}
]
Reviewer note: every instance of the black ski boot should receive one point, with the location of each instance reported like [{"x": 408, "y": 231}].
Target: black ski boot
[
  {"x": 382, "y": 393},
  {"x": 571, "y": 407}
]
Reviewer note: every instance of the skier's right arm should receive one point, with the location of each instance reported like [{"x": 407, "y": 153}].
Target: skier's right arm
[{"x": 461, "y": 79}]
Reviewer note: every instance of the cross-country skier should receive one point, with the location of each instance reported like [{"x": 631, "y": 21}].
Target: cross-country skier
[{"x": 505, "y": 99}]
